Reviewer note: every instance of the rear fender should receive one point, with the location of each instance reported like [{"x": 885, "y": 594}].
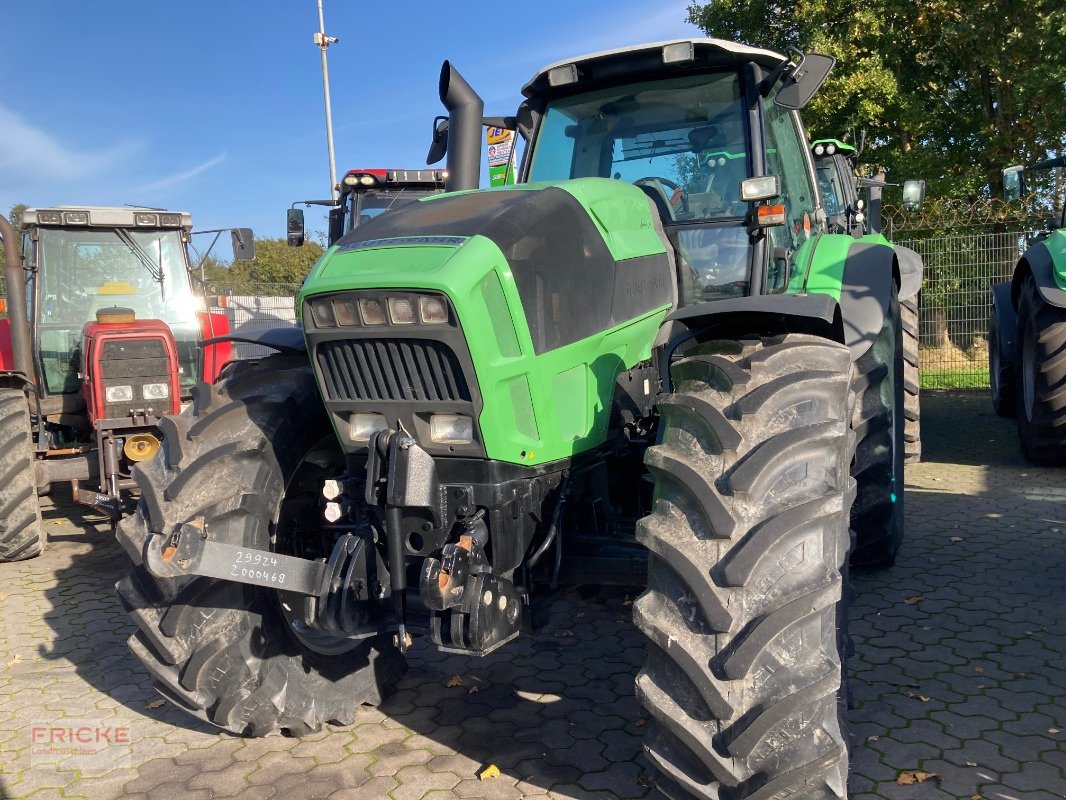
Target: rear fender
[
  {"x": 214, "y": 327},
  {"x": 10, "y": 379},
  {"x": 1006, "y": 321},
  {"x": 1045, "y": 261}
]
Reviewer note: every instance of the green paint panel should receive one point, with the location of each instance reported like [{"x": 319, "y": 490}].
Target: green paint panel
[
  {"x": 1056, "y": 245},
  {"x": 531, "y": 426},
  {"x": 820, "y": 264}
]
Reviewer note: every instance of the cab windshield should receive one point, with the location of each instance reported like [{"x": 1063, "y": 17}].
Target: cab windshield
[
  {"x": 364, "y": 206},
  {"x": 685, "y": 143},
  {"x": 83, "y": 270}
]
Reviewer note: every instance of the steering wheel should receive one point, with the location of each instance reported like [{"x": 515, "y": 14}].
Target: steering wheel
[{"x": 676, "y": 199}]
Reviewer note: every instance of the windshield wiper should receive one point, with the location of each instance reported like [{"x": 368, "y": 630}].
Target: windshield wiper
[{"x": 156, "y": 271}]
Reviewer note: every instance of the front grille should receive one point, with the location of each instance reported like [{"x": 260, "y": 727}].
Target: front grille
[
  {"x": 392, "y": 369},
  {"x": 134, "y": 362}
]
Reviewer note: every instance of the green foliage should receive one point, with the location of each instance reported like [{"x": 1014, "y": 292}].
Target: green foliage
[
  {"x": 275, "y": 264},
  {"x": 947, "y": 90}
]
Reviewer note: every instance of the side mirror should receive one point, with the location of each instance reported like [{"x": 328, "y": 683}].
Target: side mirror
[
  {"x": 243, "y": 244},
  {"x": 913, "y": 195},
  {"x": 336, "y": 224},
  {"x": 438, "y": 148},
  {"x": 1012, "y": 183},
  {"x": 805, "y": 80},
  {"x": 294, "y": 227}
]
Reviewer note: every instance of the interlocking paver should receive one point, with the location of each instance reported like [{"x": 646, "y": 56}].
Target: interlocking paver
[{"x": 555, "y": 711}]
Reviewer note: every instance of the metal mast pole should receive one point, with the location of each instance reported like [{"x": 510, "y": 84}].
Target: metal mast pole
[{"x": 324, "y": 42}]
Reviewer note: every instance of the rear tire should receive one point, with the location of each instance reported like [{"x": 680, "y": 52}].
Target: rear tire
[
  {"x": 21, "y": 530},
  {"x": 877, "y": 516},
  {"x": 1001, "y": 375},
  {"x": 240, "y": 457},
  {"x": 912, "y": 409},
  {"x": 1040, "y": 387},
  {"x": 748, "y": 546}
]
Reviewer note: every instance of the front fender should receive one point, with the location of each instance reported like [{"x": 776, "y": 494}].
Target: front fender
[
  {"x": 284, "y": 340},
  {"x": 1006, "y": 321}
]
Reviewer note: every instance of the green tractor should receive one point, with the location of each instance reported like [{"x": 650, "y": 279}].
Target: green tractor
[
  {"x": 617, "y": 371},
  {"x": 848, "y": 212},
  {"x": 1027, "y": 329}
]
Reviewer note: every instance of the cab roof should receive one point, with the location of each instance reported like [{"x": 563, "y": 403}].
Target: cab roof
[
  {"x": 108, "y": 216},
  {"x": 646, "y": 58}
]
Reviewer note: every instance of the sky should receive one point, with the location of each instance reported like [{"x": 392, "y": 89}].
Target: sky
[{"x": 216, "y": 106}]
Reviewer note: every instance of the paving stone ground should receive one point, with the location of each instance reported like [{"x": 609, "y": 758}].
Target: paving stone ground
[{"x": 958, "y": 670}]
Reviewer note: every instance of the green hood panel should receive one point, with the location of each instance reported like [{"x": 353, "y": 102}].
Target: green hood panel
[{"x": 557, "y": 288}]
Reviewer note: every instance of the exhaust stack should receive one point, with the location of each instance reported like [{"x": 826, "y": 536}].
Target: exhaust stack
[
  {"x": 465, "y": 112},
  {"x": 16, "y": 300}
]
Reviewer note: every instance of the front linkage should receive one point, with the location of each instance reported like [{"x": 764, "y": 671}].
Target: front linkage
[{"x": 472, "y": 606}]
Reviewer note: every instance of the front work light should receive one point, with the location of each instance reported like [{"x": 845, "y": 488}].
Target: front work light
[
  {"x": 345, "y": 312},
  {"x": 401, "y": 310},
  {"x": 432, "y": 310},
  {"x": 362, "y": 426},
  {"x": 322, "y": 311},
  {"x": 762, "y": 188},
  {"x": 118, "y": 394},
  {"x": 155, "y": 391},
  {"x": 451, "y": 429},
  {"x": 372, "y": 311}
]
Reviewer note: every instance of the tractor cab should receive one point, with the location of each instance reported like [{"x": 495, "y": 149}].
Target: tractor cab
[
  {"x": 365, "y": 194},
  {"x": 834, "y": 162},
  {"x": 697, "y": 134},
  {"x": 85, "y": 261}
]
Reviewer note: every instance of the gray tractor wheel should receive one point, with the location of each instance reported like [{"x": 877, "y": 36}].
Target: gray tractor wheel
[
  {"x": 748, "y": 546},
  {"x": 21, "y": 530},
  {"x": 249, "y": 457},
  {"x": 878, "y": 422},
  {"x": 1040, "y": 385},
  {"x": 912, "y": 410}
]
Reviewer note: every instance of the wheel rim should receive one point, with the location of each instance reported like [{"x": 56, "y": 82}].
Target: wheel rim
[
  {"x": 300, "y": 508},
  {"x": 1028, "y": 376}
]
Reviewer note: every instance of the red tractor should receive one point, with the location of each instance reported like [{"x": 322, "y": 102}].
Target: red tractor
[{"x": 101, "y": 342}]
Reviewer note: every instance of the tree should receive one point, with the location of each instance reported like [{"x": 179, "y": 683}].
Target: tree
[
  {"x": 276, "y": 269},
  {"x": 947, "y": 90}
]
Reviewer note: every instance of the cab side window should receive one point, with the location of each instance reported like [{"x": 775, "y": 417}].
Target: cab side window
[{"x": 786, "y": 156}]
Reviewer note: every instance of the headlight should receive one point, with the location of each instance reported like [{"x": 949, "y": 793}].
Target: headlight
[
  {"x": 372, "y": 311},
  {"x": 433, "y": 310},
  {"x": 367, "y": 180},
  {"x": 345, "y": 312},
  {"x": 362, "y": 426},
  {"x": 118, "y": 394},
  {"x": 819, "y": 149},
  {"x": 322, "y": 311},
  {"x": 155, "y": 391},
  {"x": 451, "y": 429},
  {"x": 401, "y": 310}
]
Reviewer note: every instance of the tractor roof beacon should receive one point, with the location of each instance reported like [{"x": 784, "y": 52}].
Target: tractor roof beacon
[
  {"x": 1027, "y": 328},
  {"x": 633, "y": 367},
  {"x": 100, "y": 342}
]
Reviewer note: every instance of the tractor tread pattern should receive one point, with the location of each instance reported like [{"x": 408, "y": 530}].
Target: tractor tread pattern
[
  {"x": 1042, "y": 429},
  {"x": 912, "y": 423},
  {"x": 21, "y": 529},
  {"x": 742, "y": 609},
  {"x": 217, "y": 649}
]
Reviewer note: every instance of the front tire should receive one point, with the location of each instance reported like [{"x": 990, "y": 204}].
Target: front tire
[
  {"x": 748, "y": 545},
  {"x": 1041, "y": 382},
  {"x": 251, "y": 447},
  {"x": 21, "y": 530}
]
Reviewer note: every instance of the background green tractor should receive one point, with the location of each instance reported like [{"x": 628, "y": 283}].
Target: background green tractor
[
  {"x": 1027, "y": 328},
  {"x": 622, "y": 370},
  {"x": 848, "y": 212}
]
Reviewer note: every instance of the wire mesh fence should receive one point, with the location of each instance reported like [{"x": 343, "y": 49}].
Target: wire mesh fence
[{"x": 966, "y": 247}]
